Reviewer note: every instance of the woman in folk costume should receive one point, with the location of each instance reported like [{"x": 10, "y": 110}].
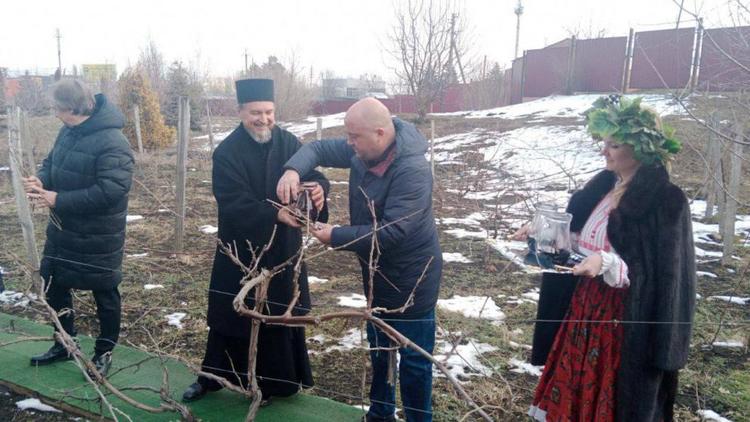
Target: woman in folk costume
[{"x": 627, "y": 331}]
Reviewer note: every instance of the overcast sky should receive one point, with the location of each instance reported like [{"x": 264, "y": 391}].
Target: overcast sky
[{"x": 348, "y": 37}]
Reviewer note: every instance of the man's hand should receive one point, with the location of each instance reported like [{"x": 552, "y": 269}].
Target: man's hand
[
  {"x": 44, "y": 198},
  {"x": 316, "y": 194},
  {"x": 285, "y": 216},
  {"x": 323, "y": 232},
  {"x": 288, "y": 187},
  {"x": 589, "y": 267},
  {"x": 32, "y": 183}
]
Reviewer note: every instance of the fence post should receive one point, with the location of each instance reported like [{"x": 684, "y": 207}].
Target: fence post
[
  {"x": 319, "y": 128},
  {"x": 22, "y": 203},
  {"x": 713, "y": 172},
  {"x": 137, "y": 121},
  {"x": 628, "y": 65},
  {"x": 183, "y": 133},
  {"x": 210, "y": 128},
  {"x": 730, "y": 212},
  {"x": 432, "y": 145},
  {"x": 571, "y": 66}
]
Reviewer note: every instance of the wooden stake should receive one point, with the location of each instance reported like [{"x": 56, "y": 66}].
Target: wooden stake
[
  {"x": 22, "y": 203},
  {"x": 137, "y": 121},
  {"x": 183, "y": 132}
]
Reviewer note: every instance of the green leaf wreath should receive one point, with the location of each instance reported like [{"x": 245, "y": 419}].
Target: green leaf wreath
[{"x": 625, "y": 122}]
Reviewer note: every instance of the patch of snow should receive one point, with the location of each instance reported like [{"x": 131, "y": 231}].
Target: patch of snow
[
  {"x": 455, "y": 257},
  {"x": 152, "y": 286},
  {"x": 461, "y": 233},
  {"x": 464, "y": 221},
  {"x": 522, "y": 367},
  {"x": 353, "y": 301},
  {"x": 564, "y": 106},
  {"x": 5, "y": 168},
  {"x": 730, "y": 344},
  {"x": 710, "y": 415},
  {"x": 208, "y": 229},
  {"x": 335, "y": 182},
  {"x": 464, "y": 362},
  {"x": 706, "y": 274},
  {"x": 533, "y": 294},
  {"x": 513, "y": 250},
  {"x": 35, "y": 404},
  {"x": 131, "y": 218},
  {"x": 471, "y": 306},
  {"x": 353, "y": 339},
  {"x": 316, "y": 280},
  {"x": 310, "y": 124},
  {"x": 176, "y": 319},
  {"x": 732, "y": 299},
  {"x": 137, "y": 255},
  {"x": 17, "y": 299}
]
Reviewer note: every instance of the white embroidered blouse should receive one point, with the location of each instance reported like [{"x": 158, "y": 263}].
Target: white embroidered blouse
[{"x": 593, "y": 239}]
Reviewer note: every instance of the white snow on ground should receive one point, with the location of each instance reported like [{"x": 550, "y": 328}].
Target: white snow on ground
[
  {"x": 353, "y": 339},
  {"x": 465, "y": 360},
  {"x": 10, "y": 297},
  {"x": 461, "y": 233},
  {"x": 131, "y": 218},
  {"x": 208, "y": 229},
  {"x": 311, "y": 124},
  {"x": 710, "y": 415},
  {"x": 471, "y": 306},
  {"x": 729, "y": 344},
  {"x": 5, "y": 168},
  {"x": 152, "y": 286},
  {"x": 706, "y": 274},
  {"x": 353, "y": 301},
  {"x": 533, "y": 294},
  {"x": 455, "y": 257},
  {"x": 316, "y": 280},
  {"x": 137, "y": 255},
  {"x": 176, "y": 319},
  {"x": 465, "y": 221},
  {"x": 335, "y": 182},
  {"x": 522, "y": 367},
  {"x": 732, "y": 299},
  {"x": 564, "y": 106},
  {"x": 35, "y": 404}
]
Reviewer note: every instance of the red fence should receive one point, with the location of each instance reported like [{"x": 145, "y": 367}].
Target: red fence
[{"x": 661, "y": 59}]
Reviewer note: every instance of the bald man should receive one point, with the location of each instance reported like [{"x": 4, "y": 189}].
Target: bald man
[{"x": 386, "y": 158}]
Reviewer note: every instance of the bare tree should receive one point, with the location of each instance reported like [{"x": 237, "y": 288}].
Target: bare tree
[
  {"x": 586, "y": 31},
  {"x": 292, "y": 93},
  {"x": 427, "y": 44}
]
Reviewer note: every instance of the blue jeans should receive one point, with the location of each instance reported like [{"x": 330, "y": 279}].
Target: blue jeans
[{"x": 414, "y": 370}]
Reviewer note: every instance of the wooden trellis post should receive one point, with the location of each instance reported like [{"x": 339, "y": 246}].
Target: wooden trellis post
[
  {"x": 733, "y": 190},
  {"x": 183, "y": 133},
  {"x": 22, "y": 203},
  {"x": 137, "y": 121}
]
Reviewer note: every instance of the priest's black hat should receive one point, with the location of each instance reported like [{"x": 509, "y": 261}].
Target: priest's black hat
[{"x": 249, "y": 90}]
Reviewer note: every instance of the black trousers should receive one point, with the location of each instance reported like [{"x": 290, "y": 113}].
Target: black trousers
[{"x": 108, "y": 310}]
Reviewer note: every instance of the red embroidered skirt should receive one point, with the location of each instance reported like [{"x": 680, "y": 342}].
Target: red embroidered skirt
[{"x": 578, "y": 382}]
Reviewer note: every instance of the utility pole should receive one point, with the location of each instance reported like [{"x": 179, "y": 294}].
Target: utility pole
[
  {"x": 518, "y": 11},
  {"x": 59, "y": 55}
]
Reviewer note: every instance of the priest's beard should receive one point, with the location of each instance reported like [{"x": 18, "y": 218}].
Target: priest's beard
[{"x": 261, "y": 135}]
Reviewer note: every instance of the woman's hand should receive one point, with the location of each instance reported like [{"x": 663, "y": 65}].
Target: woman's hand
[
  {"x": 522, "y": 233},
  {"x": 589, "y": 267}
]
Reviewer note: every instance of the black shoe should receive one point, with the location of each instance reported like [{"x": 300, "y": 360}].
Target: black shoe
[
  {"x": 56, "y": 353},
  {"x": 194, "y": 392},
  {"x": 102, "y": 363}
]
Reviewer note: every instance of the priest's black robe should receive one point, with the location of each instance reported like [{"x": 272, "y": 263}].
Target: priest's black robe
[{"x": 245, "y": 174}]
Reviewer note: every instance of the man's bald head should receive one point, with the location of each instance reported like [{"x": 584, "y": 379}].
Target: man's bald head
[{"x": 369, "y": 128}]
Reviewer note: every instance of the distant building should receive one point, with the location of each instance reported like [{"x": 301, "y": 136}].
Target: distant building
[
  {"x": 353, "y": 88},
  {"x": 95, "y": 73}
]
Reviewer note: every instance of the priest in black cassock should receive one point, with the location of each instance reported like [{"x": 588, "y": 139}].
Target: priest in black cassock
[{"x": 247, "y": 166}]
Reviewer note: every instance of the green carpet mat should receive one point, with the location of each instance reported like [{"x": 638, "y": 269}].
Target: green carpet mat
[{"x": 62, "y": 383}]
